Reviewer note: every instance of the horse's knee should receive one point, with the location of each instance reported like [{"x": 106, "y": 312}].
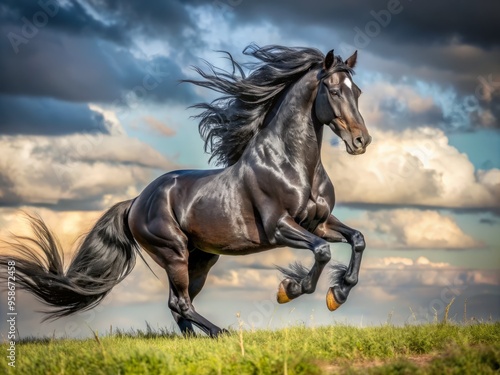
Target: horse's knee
[
  {"x": 358, "y": 241},
  {"x": 172, "y": 305},
  {"x": 322, "y": 253},
  {"x": 178, "y": 305}
]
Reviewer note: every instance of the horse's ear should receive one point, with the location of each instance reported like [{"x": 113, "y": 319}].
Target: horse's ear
[
  {"x": 351, "y": 61},
  {"x": 329, "y": 58}
]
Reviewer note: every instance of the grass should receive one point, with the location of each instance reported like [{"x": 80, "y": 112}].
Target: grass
[{"x": 412, "y": 349}]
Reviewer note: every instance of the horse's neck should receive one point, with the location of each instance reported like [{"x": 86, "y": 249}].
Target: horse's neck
[{"x": 299, "y": 135}]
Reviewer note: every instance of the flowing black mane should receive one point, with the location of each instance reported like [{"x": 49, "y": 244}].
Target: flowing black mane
[{"x": 231, "y": 121}]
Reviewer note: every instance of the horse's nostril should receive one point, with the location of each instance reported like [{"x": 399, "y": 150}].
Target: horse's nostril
[{"x": 358, "y": 141}]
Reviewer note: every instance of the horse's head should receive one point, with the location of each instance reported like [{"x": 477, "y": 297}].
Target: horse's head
[{"x": 337, "y": 103}]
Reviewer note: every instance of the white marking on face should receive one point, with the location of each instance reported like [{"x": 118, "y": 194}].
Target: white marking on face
[{"x": 348, "y": 82}]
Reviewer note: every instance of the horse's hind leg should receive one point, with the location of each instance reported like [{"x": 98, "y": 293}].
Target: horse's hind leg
[
  {"x": 179, "y": 300},
  {"x": 199, "y": 264},
  {"x": 180, "y": 303},
  {"x": 165, "y": 242}
]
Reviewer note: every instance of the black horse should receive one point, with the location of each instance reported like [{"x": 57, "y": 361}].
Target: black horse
[{"x": 273, "y": 191}]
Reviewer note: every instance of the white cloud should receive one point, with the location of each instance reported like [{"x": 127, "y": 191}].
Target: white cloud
[
  {"x": 414, "y": 229},
  {"x": 38, "y": 169},
  {"x": 413, "y": 167},
  {"x": 404, "y": 98},
  {"x": 67, "y": 225},
  {"x": 94, "y": 169},
  {"x": 111, "y": 120}
]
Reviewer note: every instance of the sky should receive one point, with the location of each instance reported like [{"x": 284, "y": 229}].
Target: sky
[{"x": 91, "y": 111}]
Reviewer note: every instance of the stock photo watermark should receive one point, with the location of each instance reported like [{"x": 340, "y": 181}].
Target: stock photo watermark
[
  {"x": 226, "y": 5},
  {"x": 439, "y": 305},
  {"x": 261, "y": 316},
  {"x": 380, "y": 19},
  {"x": 11, "y": 313},
  {"x": 30, "y": 26},
  {"x": 156, "y": 73}
]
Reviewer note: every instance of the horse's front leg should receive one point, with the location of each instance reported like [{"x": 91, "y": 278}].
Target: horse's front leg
[
  {"x": 343, "y": 278},
  {"x": 298, "y": 279}
]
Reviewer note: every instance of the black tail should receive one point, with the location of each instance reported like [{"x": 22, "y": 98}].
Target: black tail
[{"x": 105, "y": 257}]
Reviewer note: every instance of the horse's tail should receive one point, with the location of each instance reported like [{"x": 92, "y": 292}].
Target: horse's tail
[{"x": 105, "y": 257}]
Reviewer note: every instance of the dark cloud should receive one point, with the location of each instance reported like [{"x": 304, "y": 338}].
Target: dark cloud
[
  {"x": 75, "y": 51},
  {"x": 72, "y": 18},
  {"x": 470, "y": 70},
  {"x": 45, "y": 116},
  {"x": 83, "y": 70},
  {"x": 58, "y": 66},
  {"x": 91, "y": 203},
  {"x": 82, "y": 51},
  {"x": 409, "y": 22},
  {"x": 160, "y": 19},
  {"x": 488, "y": 221}
]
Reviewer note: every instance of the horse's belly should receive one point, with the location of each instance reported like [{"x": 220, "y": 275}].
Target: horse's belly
[
  {"x": 227, "y": 236},
  {"x": 223, "y": 243},
  {"x": 233, "y": 249}
]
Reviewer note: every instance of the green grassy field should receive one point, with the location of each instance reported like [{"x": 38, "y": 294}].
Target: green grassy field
[{"x": 424, "y": 349}]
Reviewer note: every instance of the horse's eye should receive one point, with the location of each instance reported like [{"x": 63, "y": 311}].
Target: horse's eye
[{"x": 335, "y": 92}]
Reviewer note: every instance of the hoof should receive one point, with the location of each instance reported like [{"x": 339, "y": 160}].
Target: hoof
[
  {"x": 282, "y": 297},
  {"x": 331, "y": 301},
  {"x": 224, "y": 332}
]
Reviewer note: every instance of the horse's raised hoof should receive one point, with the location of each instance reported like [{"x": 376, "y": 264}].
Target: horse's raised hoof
[
  {"x": 281, "y": 296},
  {"x": 331, "y": 301}
]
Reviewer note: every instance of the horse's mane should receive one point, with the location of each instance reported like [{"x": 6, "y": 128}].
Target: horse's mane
[{"x": 229, "y": 123}]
